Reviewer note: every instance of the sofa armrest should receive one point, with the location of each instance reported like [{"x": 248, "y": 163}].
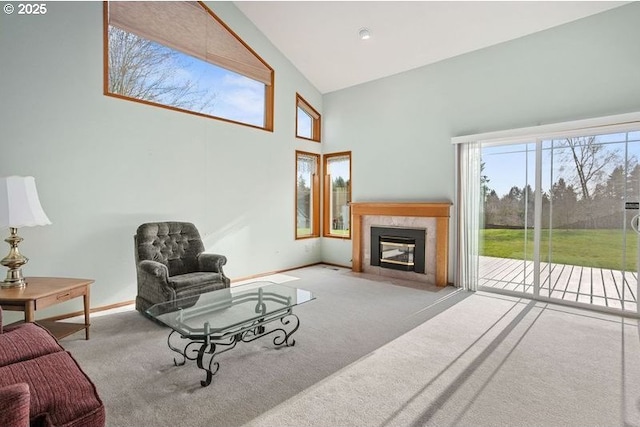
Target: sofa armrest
[
  {"x": 1, "y": 330},
  {"x": 211, "y": 262},
  {"x": 14, "y": 405}
]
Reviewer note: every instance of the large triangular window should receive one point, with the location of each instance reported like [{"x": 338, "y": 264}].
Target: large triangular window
[{"x": 181, "y": 56}]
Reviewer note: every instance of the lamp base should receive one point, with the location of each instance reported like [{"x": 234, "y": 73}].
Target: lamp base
[
  {"x": 18, "y": 283},
  {"x": 15, "y": 260}
]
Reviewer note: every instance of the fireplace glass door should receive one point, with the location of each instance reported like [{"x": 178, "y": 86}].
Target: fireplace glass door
[
  {"x": 398, "y": 248},
  {"x": 399, "y": 252}
]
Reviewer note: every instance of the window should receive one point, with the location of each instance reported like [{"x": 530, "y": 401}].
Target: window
[
  {"x": 307, "y": 195},
  {"x": 181, "y": 56},
  {"x": 307, "y": 120},
  {"x": 337, "y": 195}
]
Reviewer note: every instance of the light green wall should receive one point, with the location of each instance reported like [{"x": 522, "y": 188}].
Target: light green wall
[
  {"x": 103, "y": 165},
  {"x": 584, "y": 69}
]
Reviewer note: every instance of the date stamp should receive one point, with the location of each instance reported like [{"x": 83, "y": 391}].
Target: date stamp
[{"x": 25, "y": 8}]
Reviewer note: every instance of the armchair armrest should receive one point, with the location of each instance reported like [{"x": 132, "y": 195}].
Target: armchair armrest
[
  {"x": 155, "y": 269},
  {"x": 14, "y": 405},
  {"x": 1, "y": 331},
  {"x": 153, "y": 282},
  {"x": 211, "y": 262}
]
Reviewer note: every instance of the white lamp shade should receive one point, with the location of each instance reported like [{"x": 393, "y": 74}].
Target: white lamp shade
[{"x": 19, "y": 203}]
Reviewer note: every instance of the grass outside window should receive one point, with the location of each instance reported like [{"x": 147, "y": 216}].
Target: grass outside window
[{"x": 598, "y": 248}]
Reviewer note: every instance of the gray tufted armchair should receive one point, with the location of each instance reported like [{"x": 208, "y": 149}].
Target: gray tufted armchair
[{"x": 171, "y": 263}]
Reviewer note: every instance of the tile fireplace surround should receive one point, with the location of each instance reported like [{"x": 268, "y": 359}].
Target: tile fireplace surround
[{"x": 432, "y": 216}]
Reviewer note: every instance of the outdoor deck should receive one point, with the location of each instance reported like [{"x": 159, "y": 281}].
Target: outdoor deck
[{"x": 602, "y": 287}]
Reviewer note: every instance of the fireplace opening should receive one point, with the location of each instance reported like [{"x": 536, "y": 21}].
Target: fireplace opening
[
  {"x": 398, "y": 248},
  {"x": 398, "y": 251}
]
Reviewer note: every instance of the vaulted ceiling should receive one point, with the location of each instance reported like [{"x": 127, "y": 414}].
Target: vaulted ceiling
[{"x": 321, "y": 38}]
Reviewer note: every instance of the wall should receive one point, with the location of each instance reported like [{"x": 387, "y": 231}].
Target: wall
[
  {"x": 103, "y": 165},
  {"x": 584, "y": 69}
]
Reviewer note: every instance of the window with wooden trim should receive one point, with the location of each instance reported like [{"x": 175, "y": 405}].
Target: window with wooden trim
[
  {"x": 337, "y": 195},
  {"x": 307, "y": 120},
  {"x": 307, "y": 195},
  {"x": 181, "y": 56}
]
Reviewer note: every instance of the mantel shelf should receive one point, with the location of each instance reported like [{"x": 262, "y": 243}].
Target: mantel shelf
[{"x": 418, "y": 209}]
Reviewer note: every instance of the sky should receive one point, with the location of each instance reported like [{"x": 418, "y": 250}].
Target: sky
[
  {"x": 213, "y": 90},
  {"x": 514, "y": 165},
  {"x": 237, "y": 97}
]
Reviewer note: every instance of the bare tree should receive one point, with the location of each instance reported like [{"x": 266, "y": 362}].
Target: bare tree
[
  {"x": 591, "y": 160},
  {"x": 142, "y": 69}
]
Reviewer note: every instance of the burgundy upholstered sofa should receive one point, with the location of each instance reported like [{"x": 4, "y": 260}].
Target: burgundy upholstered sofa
[{"x": 41, "y": 384}]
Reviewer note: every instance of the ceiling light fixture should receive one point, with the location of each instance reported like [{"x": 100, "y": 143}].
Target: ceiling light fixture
[{"x": 364, "y": 34}]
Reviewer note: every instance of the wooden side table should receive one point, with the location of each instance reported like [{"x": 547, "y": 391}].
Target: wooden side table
[{"x": 42, "y": 292}]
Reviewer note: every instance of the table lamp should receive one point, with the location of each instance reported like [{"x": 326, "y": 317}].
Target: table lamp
[{"x": 19, "y": 207}]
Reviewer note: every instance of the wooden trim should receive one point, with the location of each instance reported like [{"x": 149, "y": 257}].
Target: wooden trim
[
  {"x": 105, "y": 44},
  {"x": 401, "y": 209},
  {"x": 438, "y": 210},
  {"x": 356, "y": 242},
  {"x": 269, "y": 91},
  {"x": 442, "y": 251},
  {"x": 316, "y": 201}
]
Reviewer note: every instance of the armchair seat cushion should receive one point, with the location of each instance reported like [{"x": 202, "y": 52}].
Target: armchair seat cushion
[{"x": 199, "y": 279}]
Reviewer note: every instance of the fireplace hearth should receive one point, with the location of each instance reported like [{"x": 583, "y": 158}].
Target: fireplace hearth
[{"x": 398, "y": 248}]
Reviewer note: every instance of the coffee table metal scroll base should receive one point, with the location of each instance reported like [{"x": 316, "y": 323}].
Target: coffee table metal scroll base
[{"x": 208, "y": 346}]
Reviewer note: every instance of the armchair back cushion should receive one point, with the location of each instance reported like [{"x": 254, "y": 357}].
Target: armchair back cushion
[{"x": 174, "y": 244}]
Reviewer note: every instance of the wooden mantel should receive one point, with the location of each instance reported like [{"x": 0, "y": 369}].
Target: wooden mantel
[{"x": 438, "y": 210}]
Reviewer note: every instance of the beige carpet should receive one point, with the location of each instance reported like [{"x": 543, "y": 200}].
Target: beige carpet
[
  {"x": 488, "y": 361},
  {"x": 131, "y": 365},
  {"x": 371, "y": 353}
]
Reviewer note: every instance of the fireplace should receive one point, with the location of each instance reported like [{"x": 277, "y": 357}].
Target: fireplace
[
  {"x": 430, "y": 216},
  {"x": 398, "y": 248}
]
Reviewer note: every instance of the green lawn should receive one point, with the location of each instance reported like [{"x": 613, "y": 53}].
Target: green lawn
[{"x": 591, "y": 248}]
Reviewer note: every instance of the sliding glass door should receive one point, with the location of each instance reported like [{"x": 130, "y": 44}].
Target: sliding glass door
[
  {"x": 507, "y": 227},
  {"x": 556, "y": 219}
]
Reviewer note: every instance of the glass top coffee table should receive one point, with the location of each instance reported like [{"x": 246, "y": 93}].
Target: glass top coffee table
[{"x": 214, "y": 322}]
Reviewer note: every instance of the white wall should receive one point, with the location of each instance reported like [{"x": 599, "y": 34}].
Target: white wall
[
  {"x": 103, "y": 165},
  {"x": 584, "y": 69}
]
